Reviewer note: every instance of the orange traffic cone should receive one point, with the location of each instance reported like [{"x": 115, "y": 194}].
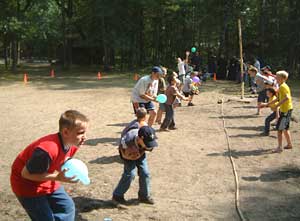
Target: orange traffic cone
[
  {"x": 52, "y": 74},
  {"x": 25, "y": 78},
  {"x": 136, "y": 77},
  {"x": 215, "y": 76},
  {"x": 99, "y": 75}
]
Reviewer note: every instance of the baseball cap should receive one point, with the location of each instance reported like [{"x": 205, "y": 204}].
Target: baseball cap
[
  {"x": 148, "y": 134},
  {"x": 157, "y": 69},
  {"x": 266, "y": 67}
]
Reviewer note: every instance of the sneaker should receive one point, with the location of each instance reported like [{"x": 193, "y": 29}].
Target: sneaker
[
  {"x": 264, "y": 134},
  {"x": 163, "y": 130},
  {"x": 147, "y": 200},
  {"x": 118, "y": 199},
  {"x": 191, "y": 104}
]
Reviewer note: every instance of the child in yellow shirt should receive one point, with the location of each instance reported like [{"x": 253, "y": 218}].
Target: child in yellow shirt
[{"x": 285, "y": 107}]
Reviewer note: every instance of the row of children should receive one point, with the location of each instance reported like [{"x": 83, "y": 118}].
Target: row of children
[
  {"x": 158, "y": 82},
  {"x": 273, "y": 92},
  {"x": 36, "y": 172},
  {"x": 139, "y": 136}
]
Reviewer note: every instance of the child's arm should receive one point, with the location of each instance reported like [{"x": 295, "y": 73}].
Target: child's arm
[
  {"x": 285, "y": 99},
  {"x": 147, "y": 97},
  {"x": 262, "y": 105},
  {"x": 58, "y": 176},
  {"x": 181, "y": 96}
]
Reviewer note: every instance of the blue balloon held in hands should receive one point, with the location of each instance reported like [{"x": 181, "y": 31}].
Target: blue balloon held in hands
[
  {"x": 76, "y": 168},
  {"x": 162, "y": 98}
]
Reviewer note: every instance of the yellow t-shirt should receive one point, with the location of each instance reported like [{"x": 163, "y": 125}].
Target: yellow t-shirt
[
  {"x": 284, "y": 91},
  {"x": 273, "y": 106}
]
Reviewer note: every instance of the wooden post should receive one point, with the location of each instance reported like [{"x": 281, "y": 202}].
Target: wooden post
[{"x": 241, "y": 57}]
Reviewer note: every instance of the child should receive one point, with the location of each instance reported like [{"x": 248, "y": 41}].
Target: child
[
  {"x": 141, "y": 114},
  {"x": 286, "y": 107},
  {"x": 189, "y": 88},
  {"x": 172, "y": 93},
  {"x": 36, "y": 172},
  {"x": 133, "y": 145},
  {"x": 177, "y": 102},
  {"x": 252, "y": 71},
  {"x": 161, "y": 90},
  {"x": 271, "y": 94}
]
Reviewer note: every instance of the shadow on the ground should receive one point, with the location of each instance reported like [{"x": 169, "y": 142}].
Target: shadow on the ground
[
  {"x": 237, "y": 117},
  {"x": 245, "y": 153},
  {"x": 107, "y": 160},
  {"x": 85, "y": 205},
  {"x": 266, "y": 206},
  {"x": 117, "y": 125},
  {"x": 276, "y": 175},
  {"x": 246, "y": 107},
  {"x": 96, "y": 141},
  {"x": 255, "y": 128},
  {"x": 249, "y": 136}
]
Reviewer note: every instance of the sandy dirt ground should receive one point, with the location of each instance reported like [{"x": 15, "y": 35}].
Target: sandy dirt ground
[{"x": 191, "y": 175}]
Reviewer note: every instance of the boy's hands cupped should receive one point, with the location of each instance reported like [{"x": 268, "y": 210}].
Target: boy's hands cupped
[{"x": 61, "y": 176}]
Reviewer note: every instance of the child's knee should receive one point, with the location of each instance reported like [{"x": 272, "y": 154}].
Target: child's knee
[{"x": 153, "y": 113}]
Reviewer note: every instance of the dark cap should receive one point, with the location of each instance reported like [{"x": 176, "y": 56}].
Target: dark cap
[
  {"x": 148, "y": 134},
  {"x": 267, "y": 67},
  {"x": 157, "y": 69}
]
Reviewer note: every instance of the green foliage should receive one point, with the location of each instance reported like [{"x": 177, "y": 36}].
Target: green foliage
[{"x": 132, "y": 33}]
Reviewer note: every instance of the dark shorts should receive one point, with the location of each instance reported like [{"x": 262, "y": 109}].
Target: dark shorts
[
  {"x": 187, "y": 94},
  {"x": 262, "y": 96},
  {"x": 148, "y": 106},
  {"x": 284, "y": 121},
  {"x": 162, "y": 107}
]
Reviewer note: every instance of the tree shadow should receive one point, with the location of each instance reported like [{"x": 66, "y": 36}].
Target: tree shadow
[
  {"x": 107, "y": 160},
  {"x": 256, "y": 128},
  {"x": 245, "y": 153},
  {"x": 246, "y": 107},
  {"x": 237, "y": 116},
  {"x": 248, "y": 136},
  {"x": 276, "y": 175},
  {"x": 96, "y": 141}
]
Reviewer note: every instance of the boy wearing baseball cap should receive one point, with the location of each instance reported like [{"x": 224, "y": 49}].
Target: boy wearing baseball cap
[{"x": 132, "y": 149}]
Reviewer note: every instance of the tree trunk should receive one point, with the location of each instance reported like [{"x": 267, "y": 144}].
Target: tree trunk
[
  {"x": 14, "y": 54},
  {"x": 262, "y": 27},
  {"x": 6, "y": 51},
  {"x": 104, "y": 41}
]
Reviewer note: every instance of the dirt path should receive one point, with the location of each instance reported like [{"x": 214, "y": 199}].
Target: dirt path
[{"x": 191, "y": 174}]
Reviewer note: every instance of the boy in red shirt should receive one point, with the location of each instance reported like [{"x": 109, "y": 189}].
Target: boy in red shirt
[{"x": 36, "y": 172}]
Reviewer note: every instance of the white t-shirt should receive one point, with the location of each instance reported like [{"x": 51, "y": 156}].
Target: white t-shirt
[
  {"x": 181, "y": 68},
  {"x": 187, "y": 84},
  {"x": 145, "y": 85}
]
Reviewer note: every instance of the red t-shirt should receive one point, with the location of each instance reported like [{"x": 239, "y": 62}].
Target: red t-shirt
[{"x": 28, "y": 188}]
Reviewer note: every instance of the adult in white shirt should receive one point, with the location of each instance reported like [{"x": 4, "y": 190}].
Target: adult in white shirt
[
  {"x": 145, "y": 91},
  {"x": 181, "y": 69}
]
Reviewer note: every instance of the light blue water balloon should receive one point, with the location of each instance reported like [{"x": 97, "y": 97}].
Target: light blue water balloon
[
  {"x": 162, "y": 98},
  {"x": 76, "y": 168}
]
